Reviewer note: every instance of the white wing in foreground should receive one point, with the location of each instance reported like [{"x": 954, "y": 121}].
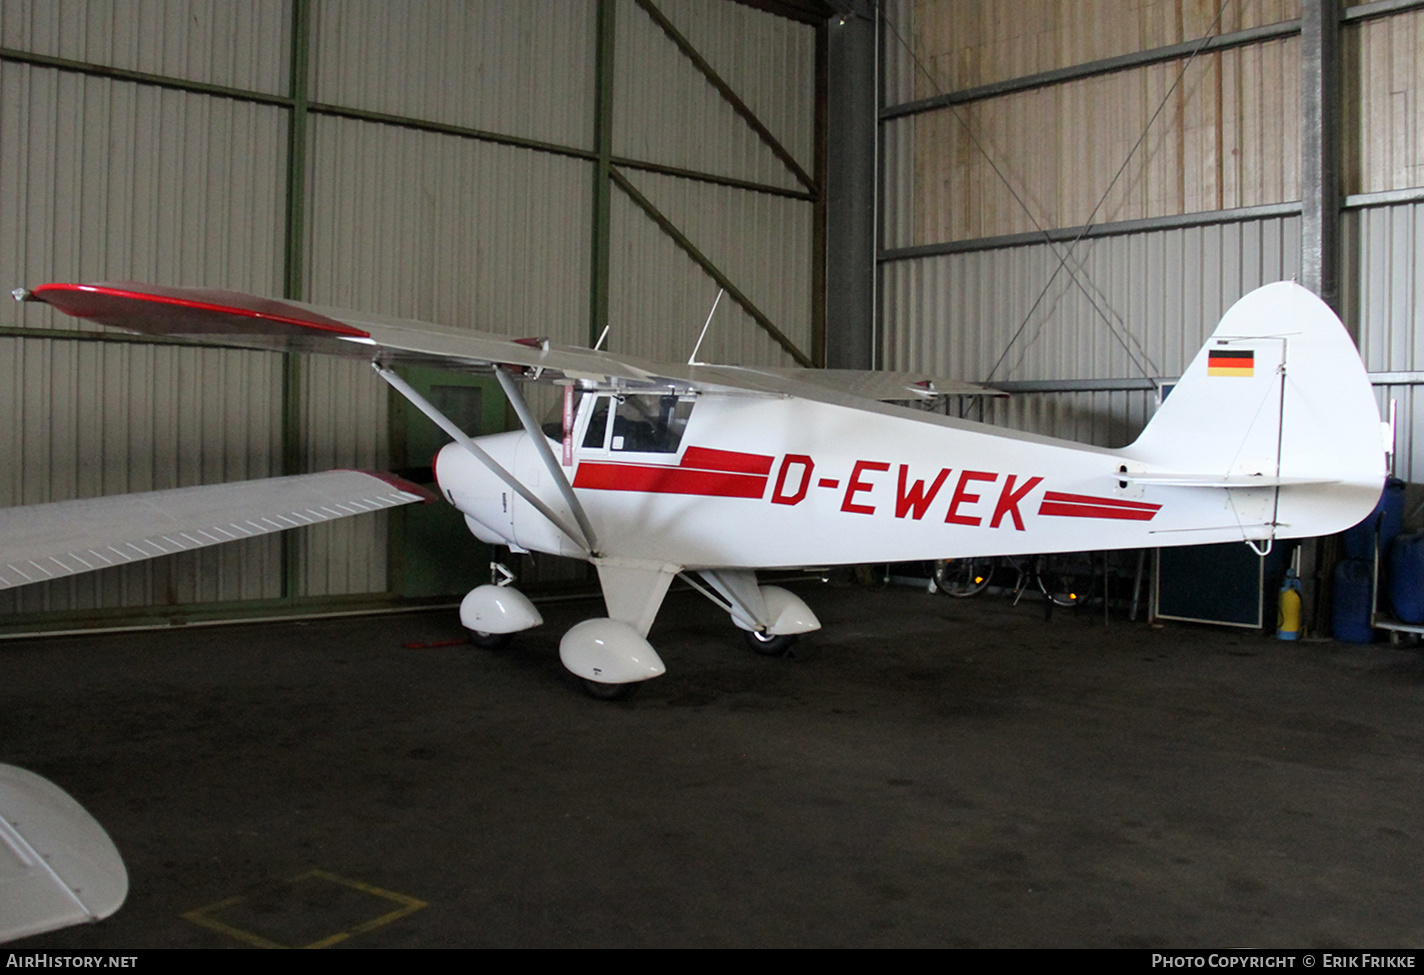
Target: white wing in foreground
[
  {"x": 47, "y": 541},
  {"x": 57, "y": 865}
]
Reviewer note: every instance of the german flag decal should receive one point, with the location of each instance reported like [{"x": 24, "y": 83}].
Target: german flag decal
[{"x": 1231, "y": 362}]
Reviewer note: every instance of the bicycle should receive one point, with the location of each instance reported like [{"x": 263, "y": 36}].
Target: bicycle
[
  {"x": 1061, "y": 579},
  {"x": 962, "y": 578}
]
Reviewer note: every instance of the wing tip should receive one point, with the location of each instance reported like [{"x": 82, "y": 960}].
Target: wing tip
[
  {"x": 133, "y": 305},
  {"x": 410, "y": 487}
]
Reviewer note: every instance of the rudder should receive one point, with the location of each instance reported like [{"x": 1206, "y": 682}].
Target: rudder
[{"x": 1278, "y": 399}]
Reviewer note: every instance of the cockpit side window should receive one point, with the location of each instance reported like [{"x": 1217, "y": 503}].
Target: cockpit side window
[
  {"x": 651, "y": 424},
  {"x": 593, "y": 437}
]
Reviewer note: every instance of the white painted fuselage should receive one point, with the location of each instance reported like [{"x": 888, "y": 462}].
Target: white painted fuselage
[
  {"x": 1272, "y": 433},
  {"x": 779, "y": 482}
]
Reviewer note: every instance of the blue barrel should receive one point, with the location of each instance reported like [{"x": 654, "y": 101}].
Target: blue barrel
[
  {"x": 1406, "y": 578},
  {"x": 1353, "y": 601},
  {"x": 1387, "y": 518}
]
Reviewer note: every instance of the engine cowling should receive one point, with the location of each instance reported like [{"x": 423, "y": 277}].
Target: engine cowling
[{"x": 486, "y": 502}]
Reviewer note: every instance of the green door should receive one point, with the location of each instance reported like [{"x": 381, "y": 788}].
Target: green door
[{"x": 433, "y": 552}]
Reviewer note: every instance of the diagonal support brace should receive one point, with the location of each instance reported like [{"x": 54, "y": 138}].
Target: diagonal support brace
[
  {"x": 463, "y": 439},
  {"x": 541, "y": 444}
]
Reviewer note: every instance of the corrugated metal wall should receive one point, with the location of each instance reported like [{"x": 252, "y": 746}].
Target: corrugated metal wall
[
  {"x": 967, "y": 43},
  {"x": 1385, "y": 148},
  {"x": 666, "y": 113},
  {"x": 218, "y": 42},
  {"x": 193, "y": 196},
  {"x": 1129, "y": 305},
  {"x": 1049, "y": 157},
  {"x": 1142, "y": 294},
  {"x": 663, "y": 298},
  {"x": 448, "y": 174},
  {"x": 1383, "y": 280}
]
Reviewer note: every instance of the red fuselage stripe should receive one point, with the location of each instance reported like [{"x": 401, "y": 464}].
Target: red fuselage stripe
[
  {"x": 731, "y": 461},
  {"x": 1103, "y": 502},
  {"x": 656, "y": 479},
  {"x": 1086, "y": 506}
]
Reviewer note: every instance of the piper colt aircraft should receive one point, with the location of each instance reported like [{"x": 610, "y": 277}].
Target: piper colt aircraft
[{"x": 712, "y": 472}]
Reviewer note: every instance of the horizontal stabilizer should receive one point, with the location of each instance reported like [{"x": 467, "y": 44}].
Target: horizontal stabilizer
[
  {"x": 47, "y": 541},
  {"x": 1219, "y": 481}
]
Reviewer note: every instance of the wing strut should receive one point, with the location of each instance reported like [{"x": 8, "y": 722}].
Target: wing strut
[
  {"x": 541, "y": 443},
  {"x": 460, "y": 437},
  {"x": 738, "y": 592}
]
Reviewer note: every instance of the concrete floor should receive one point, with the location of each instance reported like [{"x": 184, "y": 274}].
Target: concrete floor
[{"x": 927, "y": 771}]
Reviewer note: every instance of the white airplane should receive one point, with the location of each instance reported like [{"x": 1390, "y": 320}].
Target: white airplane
[{"x": 712, "y": 472}]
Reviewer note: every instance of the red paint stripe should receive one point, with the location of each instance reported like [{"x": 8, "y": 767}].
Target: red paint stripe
[
  {"x": 731, "y": 461},
  {"x": 1093, "y": 511},
  {"x": 1066, "y": 505},
  {"x": 401, "y": 484},
  {"x": 1102, "y": 502},
  {"x": 656, "y": 479},
  {"x": 185, "y": 311}
]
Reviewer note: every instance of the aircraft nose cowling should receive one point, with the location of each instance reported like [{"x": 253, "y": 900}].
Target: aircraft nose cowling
[{"x": 473, "y": 488}]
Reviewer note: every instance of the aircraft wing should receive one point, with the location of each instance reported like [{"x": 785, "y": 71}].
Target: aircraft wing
[
  {"x": 874, "y": 384},
  {"x": 57, "y": 865},
  {"x": 231, "y": 318},
  {"x": 47, "y": 541}
]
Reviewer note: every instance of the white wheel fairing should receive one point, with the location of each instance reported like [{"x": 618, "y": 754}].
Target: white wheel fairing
[
  {"x": 609, "y": 652},
  {"x": 788, "y": 613},
  {"x": 498, "y": 609}
]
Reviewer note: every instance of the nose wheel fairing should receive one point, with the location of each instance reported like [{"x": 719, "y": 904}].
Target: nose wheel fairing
[{"x": 498, "y": 609}]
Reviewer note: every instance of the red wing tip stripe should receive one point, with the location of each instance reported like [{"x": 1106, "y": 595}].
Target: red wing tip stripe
[
  {"x": 193, "y": 299},
  {"x": 1086, "y": 506},
  {"x": 401, "y": 484}
]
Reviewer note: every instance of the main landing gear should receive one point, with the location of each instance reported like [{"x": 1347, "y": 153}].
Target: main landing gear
[
  {"x": 611, "y": 655},
  {"x": 768, "y": 644}
]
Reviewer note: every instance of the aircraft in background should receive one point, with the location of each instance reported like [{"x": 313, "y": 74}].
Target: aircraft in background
[{"x": 712, "y": 472}]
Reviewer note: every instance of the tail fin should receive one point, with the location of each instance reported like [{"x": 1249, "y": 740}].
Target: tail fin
[{"x": 1276, "y": 409}]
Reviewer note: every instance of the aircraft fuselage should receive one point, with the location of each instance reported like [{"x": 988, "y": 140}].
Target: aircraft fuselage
[{"x": 763, "y": 482}]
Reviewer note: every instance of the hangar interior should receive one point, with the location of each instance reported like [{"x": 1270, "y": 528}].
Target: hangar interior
[
  {"x": 1058, "y": 199},
  {"x": 1060, "y": 202}
]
